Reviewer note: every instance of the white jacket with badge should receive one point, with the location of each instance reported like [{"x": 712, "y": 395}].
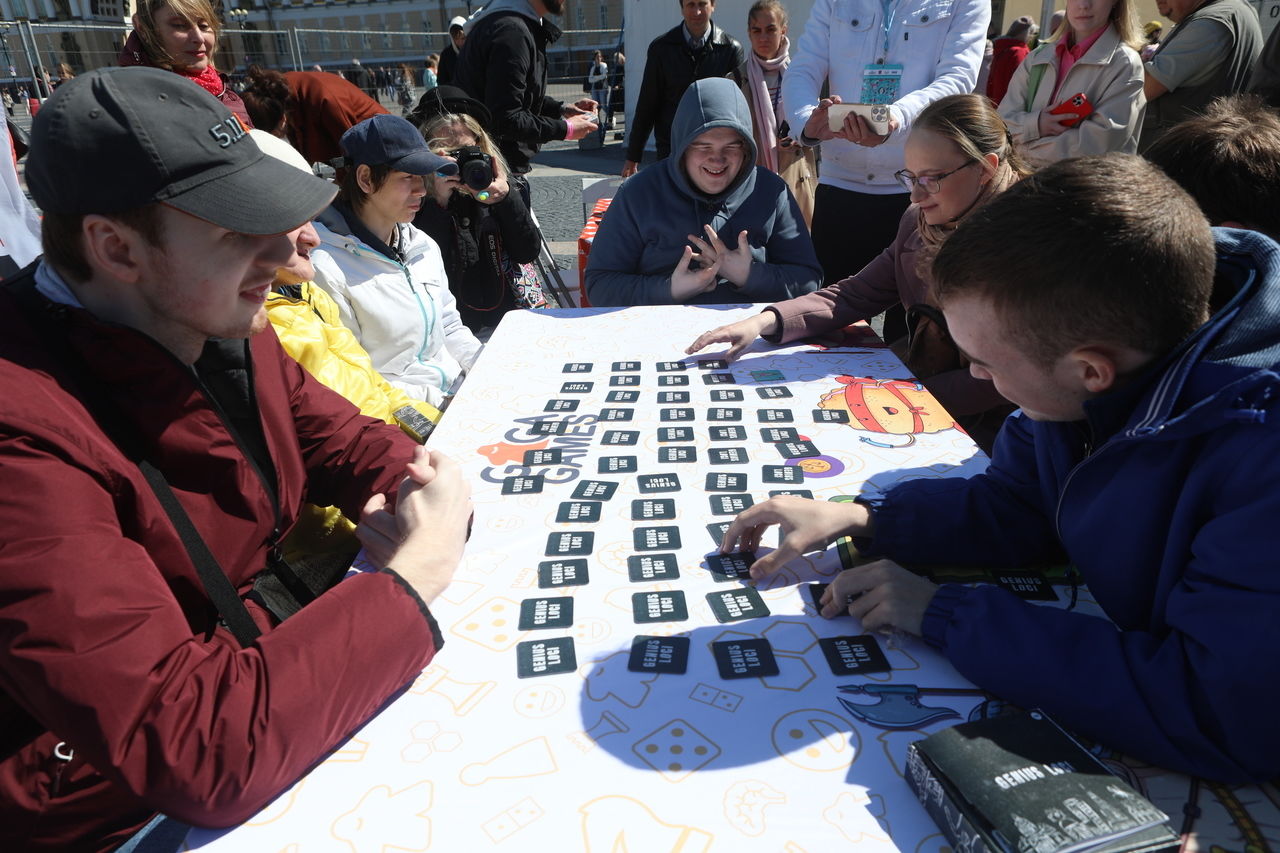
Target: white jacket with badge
[
  {"x": 402, "y": 314},
  {"x": 938, "y": 43}
]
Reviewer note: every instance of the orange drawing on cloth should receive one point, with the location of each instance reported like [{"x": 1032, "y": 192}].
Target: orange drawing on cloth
[
  {"x": 888, "y": 406},
  {"x": 502, "y": 452}
]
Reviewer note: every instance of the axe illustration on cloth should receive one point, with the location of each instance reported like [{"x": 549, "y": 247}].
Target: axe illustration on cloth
[{"x": 899, "y": 704}]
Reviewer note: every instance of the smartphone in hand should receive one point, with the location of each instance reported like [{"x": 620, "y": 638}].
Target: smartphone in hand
[{"x": 1077, "y": 105}]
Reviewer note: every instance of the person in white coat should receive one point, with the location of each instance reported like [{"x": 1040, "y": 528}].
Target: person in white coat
[
  {"x": 1093, "y": 54},
  {"x": 385, "y": 275}
]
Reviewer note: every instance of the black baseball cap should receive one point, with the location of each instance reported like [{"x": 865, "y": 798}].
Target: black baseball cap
[
  {"x": 115, "y": 139},
  {"x": 387, "y": 140},
  {"x": 450, "y": 99}
]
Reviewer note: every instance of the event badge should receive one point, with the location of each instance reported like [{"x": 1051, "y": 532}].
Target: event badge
[{"x": 881, "y": 83}]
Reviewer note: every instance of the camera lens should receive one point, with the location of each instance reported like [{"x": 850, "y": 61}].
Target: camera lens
[{"x": 475, "y": 167}]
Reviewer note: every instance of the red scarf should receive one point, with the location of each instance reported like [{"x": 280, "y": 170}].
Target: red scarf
[{"x": 209, "y": 79}]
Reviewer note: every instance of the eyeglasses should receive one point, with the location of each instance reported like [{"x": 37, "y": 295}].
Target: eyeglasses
[{"x": 929, "y": 183}]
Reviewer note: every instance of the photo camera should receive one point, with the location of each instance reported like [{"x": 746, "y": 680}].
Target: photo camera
[{"x": 475, "y": 167}]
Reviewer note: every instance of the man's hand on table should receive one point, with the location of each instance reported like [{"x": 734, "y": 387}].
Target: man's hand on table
[
  {"x": 884, "y": 595},
  {"x": 422, "y": 540},
  {"x": 738, "y": 336},
  {"x": 807, "y": 525}
]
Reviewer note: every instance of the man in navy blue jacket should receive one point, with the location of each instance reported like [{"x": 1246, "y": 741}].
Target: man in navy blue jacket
[{"x": 1143, "y": 353}]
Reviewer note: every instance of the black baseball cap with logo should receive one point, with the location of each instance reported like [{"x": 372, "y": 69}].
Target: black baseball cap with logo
[{"x": 115, "y": 139}]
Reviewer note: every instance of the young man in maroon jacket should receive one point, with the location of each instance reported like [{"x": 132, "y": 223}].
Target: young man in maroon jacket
[{"x": 145, "y": 391}]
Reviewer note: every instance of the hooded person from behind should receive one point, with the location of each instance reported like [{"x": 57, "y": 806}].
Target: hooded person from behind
[{"x": 671, "y": 224}]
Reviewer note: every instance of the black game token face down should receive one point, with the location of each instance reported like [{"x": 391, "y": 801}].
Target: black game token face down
[
  {"x": 734, "y": 605},
  {"x": 716, "y": 531},
  {"x": 617, "y": 465},
  {"x": 673, "y": 397},
  {"x": 854, "y": 655},
  {"x": 782, "y": 474},
  {"x": 797, "y": 449},
  {"x": 576, "y": 387},
  {"x": 744, "y": 658},
  {"x": 726, "y": 395},
  {"x": 727, "y": 433},
  {"x": 660, "y": 606},
  {"x": 830, "y": 416},
  {"x": 675, "y": 434},
  {"x": 728, "y": 455},
  {"x": 545, "y": 657},
  {"x": 544, "y": 457},
  {"x": 642, "y": 568},
  {"x": 619, "y": 437},
  {"x": 798, "y": 493},
  {"x": 669, "y": 366},
  {"x": 775, "y": 434},
  {"x": 1032, "y": 586},
  {"x": 572, "y": 544},
  {"x": 675, "y": 414},
  {"x": 774, "y": 416},
  {"x": 548, "y": 428},
  {"x": 622, "y": 396},
  {"x": 579, "y": 512},
  {"x": 718, "y": 379},
  {"x": 729, "y": 504},
  {"x": 596, "y": 490},
  {"x": 653, "y": 509},
  {"x": 659, "y": 654},
  {"x": 523, "y": 485},
  {"x": 731, "y": 567},
  {"x": 626, "y": 366},
  {"x": 554, "y": 573},
  {"x": 538, "y": 613},
  {"x": 815, "y": 592},
  {"x": 561, "y": 406},
  {"x": 577, "y": 367},
  {"x": 650, "y": 483},
  {"x": 656, "y": 538},
  {"x": 718, "y": 482},
  {"x": 680, "y": 453},
  {"x": 712, "y": 364},
  {"x": 617, "y": 414},
  {"x": 774, "y": 392},
  {"x": 723, "y": 413},
  {"x": 669, "y": 379}
]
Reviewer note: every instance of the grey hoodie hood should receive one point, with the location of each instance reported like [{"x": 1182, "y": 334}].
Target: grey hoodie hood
[
  {"x": 707, "y": 104},
  {"x": 524, "y": 7}
]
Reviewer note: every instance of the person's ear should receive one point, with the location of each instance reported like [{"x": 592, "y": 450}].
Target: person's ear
[
  {"x": 990, "y": 163},
  {"x": 364, "y": 179},
  {"x": 1094, "y": 367},
  {"x": 115, "y": 250}
]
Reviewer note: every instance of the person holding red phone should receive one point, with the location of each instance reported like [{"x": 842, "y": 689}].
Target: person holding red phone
[{"x": 1080, "y": 92}]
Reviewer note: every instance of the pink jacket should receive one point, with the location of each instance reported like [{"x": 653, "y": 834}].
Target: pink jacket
[{"x": 889, "y": 279}]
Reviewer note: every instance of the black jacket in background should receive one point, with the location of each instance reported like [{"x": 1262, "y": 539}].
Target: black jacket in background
[
  {"x": 447, "y": 66},
  {"x": 503, "y": 64},
  {"x": 669, "y": 69}
]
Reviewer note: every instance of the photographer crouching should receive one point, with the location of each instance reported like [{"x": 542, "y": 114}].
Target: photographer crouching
[{"x": 480, "y": 217}]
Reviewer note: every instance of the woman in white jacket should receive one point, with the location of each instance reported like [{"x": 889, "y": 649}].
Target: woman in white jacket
[
  {"x": 386, "y": 276},
  {"x": 1094, "y": 54}
]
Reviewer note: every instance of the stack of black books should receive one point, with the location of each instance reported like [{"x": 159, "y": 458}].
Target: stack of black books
[{"x": 1020, "y": 784}]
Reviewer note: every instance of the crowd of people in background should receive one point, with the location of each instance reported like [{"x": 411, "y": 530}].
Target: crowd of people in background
[{"x": 910, "y": 157}]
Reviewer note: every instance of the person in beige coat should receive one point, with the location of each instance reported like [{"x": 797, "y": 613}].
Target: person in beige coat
[{"x": 1092, "y": 53}]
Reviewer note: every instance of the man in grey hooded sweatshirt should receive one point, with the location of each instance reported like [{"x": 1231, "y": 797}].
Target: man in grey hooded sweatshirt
[{"x": 706, "y": 225}]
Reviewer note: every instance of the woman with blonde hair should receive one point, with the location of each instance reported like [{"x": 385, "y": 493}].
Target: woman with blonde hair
[
  {"x": 1089, "y": 67},
  {"x": 181, "y": 36},
  {"x": 486, "y": 235},
  {"x": 776, "y": 150},
  {"x": 958, "y": 157}
]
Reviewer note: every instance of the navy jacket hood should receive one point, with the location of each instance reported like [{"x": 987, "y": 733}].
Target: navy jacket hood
[{"x": 705, "y": 105}]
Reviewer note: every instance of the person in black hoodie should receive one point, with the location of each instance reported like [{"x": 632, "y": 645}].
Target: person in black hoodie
[
  {"x": 503, "y": 65},
  {"x": 695, "y": 50}
]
